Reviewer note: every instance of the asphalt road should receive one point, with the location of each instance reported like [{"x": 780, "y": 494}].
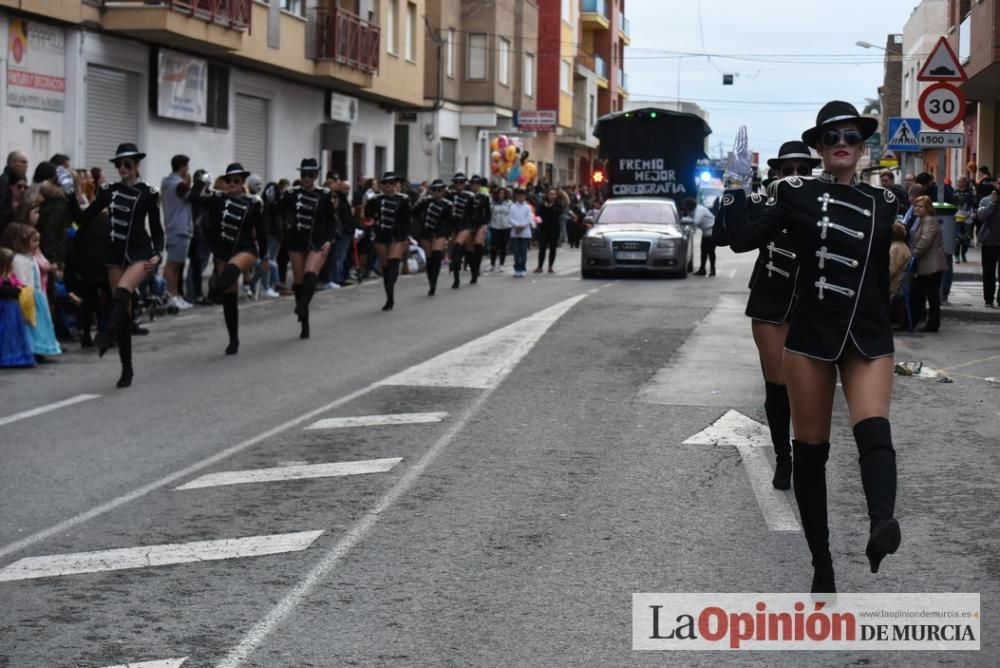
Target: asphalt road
[{"x": 544, "y": 482}]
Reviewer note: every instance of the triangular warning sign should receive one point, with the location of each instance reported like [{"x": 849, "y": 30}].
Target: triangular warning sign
[
  {"x": 942, "y": 65},
  {"x": 903, "y": 136},
  {"x": 887, "y": 155}
]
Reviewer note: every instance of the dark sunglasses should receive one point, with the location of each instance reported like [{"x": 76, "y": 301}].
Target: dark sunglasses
[
  {"x": 801, "y": 170},
  {"x": 849, "y": 137},
  {"x": 310, "y": 175},
  {"x": 127, "y": 164},
  {"x": 22, "y": 186},
  {"x": 232, "y": 179}
]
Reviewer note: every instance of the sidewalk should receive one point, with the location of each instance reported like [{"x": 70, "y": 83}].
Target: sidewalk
[{"x": 966, "y": 299}]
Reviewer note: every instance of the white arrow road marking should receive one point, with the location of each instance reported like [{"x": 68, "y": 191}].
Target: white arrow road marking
[
  {"x": 751, "y": 439},
  {"x": 47, "y": 408},
  {"x": 296, "y": 472},
  {"x": 530, "y": 328},
  {"x": 31, "y": 568},
  {"x": 377, "y": 420},
  {"x": 163, "y": 663},
  {"x": 483, "y": 363}
]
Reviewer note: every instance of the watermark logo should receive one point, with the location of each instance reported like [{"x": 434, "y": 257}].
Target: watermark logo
[{"x": 801, "y": 622}]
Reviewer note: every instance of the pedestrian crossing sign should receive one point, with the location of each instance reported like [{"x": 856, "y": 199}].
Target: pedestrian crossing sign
[{"x": 904, "y": 134}]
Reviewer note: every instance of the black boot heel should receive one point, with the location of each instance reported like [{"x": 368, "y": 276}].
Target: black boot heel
[
  {"x": 103, "y": 343},
  {"x": 233, "y": 348},
  {"x": 824, "y": 580},
  {"x": 782, "y": 473},
  {"x": 884, "y": 539},
  {"x": 126, "y": 378}
]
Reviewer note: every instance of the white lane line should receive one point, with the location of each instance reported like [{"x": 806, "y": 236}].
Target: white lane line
[
  {"x": 751, "y": 439},
  {"x": 182, "y": 319},
  {"x": 298, "y": 472},
  {"x": 483, "y": 363},
  {"x": 186, "y": 472},
  {"x": 125, "y": 558},
  {"x": 317, "y": 574},
  {"x": 47, "y": 408},
  {"x": 162, "y": 663},
  {"x": 377, "y": 420}
]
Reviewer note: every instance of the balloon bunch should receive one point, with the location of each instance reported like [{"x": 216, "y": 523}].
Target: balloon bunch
[{"x": 510, "y": 162}]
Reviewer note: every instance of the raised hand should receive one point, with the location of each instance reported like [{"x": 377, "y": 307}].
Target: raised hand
[{"x": 739, "y": 171}]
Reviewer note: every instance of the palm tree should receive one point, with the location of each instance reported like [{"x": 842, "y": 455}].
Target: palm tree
[{"x": 873, "y": 106}]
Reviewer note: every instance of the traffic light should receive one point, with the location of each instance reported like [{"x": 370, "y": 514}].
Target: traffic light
[{"x": 598, "y": 177}]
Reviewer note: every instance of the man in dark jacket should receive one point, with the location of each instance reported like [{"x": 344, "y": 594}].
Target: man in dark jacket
[
  {"x": 988, "y": 215},
  {"x": 16, "y": 169}
]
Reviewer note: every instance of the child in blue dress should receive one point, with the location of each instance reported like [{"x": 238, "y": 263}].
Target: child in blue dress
[
  {"x": 15, "y": 346},
  {"x": 24, "y": 240}
]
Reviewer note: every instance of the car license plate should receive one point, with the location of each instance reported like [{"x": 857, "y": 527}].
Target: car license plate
[{"x": 629, "y": 255}]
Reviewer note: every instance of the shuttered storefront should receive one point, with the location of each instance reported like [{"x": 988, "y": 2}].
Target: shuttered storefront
[
  {"x": 112, "y": 113},
  {"x": 251, "y": 134}
]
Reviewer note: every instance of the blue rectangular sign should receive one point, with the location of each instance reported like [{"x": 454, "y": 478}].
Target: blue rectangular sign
[{"x": 903, "y": 134}]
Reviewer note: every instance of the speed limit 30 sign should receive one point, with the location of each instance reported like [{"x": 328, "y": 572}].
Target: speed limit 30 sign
[{"x": 942, "y": 106}]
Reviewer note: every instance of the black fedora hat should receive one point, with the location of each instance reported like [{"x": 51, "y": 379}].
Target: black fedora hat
[
  {"x": 236, "y": 169},
  {"x": 437, "y": 184},
  {"x": 309, "y": 165},
  {"x": 475, "y": 178},
  {"x": 459, "y": 177},
  {"x": 794, "y": 150},
  {"x": 389, "y": 177},
  {"x": 838, "y": 112},
  {"x": 128, "y": 151}
]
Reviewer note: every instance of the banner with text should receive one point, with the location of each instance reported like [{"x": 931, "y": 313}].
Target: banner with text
[
  {"x": 181, "y": 87},
  {"x": 36, "y": 65}
]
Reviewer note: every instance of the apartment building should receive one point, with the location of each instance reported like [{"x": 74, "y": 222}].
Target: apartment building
[
  {"x": 581, "y": 76},
  {"x": 262, "y": 82},
  {"x": 974, "y": 34},
  {"x": 926, "y": 24},
  {"x": 479, "y": 71}
]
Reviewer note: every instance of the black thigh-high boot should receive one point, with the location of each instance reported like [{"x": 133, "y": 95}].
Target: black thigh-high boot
[
  {"x": 222, "y": 281},
  {"x": 297, "y": 291},
  {"x": 476, "y": 262},
  {"x": 119, "y": 315},
  {"x": 434, "y": 270},
  {"x": 809, "y": 478},
  {"x": 877, "y": 459},
  {"x": 125, "y": 352},
  {"x": 389, "y": 277},
  {"x": 456, "y": 265},
  {"x": 231, "y": 312},
  {"x": 778, "y": 416},
  {"x": 309, "y": 281}
]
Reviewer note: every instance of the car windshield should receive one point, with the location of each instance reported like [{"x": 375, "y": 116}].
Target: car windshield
[{"x": 657, "y": 213}]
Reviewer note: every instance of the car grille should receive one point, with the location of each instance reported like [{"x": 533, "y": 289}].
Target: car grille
[{"x": 638, "y": 246}]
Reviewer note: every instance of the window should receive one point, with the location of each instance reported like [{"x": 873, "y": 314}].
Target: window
[
  {"x": 592, "y": 112},
  {"x": 297, "y": 7},
  {"x": 450, "y": 53},
  {"x": 217, "y": 107},
  {"x": 564, "y": 76},
  {"x": 503, "y": 63},
  {"x": 390, "y": 26},
  {"x": 476, "y": 67},
  {"x": 379, "y": 161},
  {"x": 411, "y": 31},
  {"x": 529, "y": 75}
]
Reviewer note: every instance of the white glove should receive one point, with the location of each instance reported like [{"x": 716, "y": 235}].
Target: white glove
[
  {"x": 739, "y": 171},
  {"x": 207, "y": 179},
  {"x": 65, "y": 180}
]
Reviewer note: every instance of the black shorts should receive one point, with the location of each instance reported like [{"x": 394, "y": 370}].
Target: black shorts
[
  {"x": 225, "y": 252},
  {"x": 431, "y": 235},
  {"x": 391, "y": 236},
  {"x": 120, "y": 256},
  {"x": 301, "y": 243}
]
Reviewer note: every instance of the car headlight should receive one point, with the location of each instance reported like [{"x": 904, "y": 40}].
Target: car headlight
[
  {"x": 666, "y": 242},
  {"x": 596, "y": 242}
]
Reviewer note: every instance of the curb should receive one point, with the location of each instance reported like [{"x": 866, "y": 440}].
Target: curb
[{"x": 984, "y": 315}]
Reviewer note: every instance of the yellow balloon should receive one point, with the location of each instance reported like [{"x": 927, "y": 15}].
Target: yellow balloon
[
  {"x": 510, "y": 153},
  {"x": 495, "y": 144}
]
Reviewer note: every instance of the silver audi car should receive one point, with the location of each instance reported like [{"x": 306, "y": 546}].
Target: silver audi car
[{"x": 642, "y": 234}]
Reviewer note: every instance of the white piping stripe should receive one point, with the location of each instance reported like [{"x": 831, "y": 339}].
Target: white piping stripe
[
  {"x": 377, "y": 420},
  {"x": 296, "y": 472},
  {"x": 126, "y": 558},
  {"x": 47, "y": 408}
]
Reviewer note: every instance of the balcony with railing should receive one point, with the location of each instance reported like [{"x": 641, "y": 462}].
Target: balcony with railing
[
  {"x": 622, "y": 80},
  {"x": 601, "y": 69},
  {"x": 198, "y": 24},
  {"x": 347, "y": 40},
  {"x": 625, "y": 27},
  {"x": 595, "y": 14}
]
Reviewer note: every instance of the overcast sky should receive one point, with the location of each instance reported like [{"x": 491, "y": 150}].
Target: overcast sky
[{"x": 775, "y": 100}]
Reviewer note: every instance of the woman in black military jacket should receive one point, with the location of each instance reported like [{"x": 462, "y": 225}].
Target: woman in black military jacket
[
  {"x": 840, "y": 230},
  {"x": 391, "y": 213},
  {"x": 238, "y": 236},
  {"x": 772, "y": 293},
  {"x": 132, "y": 252},
  {"x": 312, "y": 225},
  {"x": 436, "y": 212}
]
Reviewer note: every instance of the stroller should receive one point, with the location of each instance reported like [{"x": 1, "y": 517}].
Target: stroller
[{"x": 152, "y": 299}]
